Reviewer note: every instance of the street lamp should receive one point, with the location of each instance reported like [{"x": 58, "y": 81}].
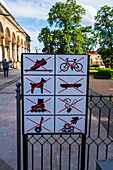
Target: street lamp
[{"x": 36, "y": 48}]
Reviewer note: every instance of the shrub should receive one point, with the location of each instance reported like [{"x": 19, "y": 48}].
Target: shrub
[{"x": 102, "y": 74}]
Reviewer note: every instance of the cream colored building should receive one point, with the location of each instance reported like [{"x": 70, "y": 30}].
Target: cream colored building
[
  {"x": 95, "y": 58},
  {"x": 13, "y": 39}
]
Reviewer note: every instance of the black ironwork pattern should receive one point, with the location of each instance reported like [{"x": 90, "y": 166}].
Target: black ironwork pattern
[{"x": 63, "y": 152}]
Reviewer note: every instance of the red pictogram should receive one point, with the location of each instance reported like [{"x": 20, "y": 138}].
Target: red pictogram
[
  {"x": 71, "y": 85},
  {"x": 38, "y": 105},
  {"x": 39, "y": 124},
  {"x": 70, "y": 105},
  {"x": 69, "y": 124},
  {"x": 38, "y": 85},
  {"x": 38, "y": 64},
  {"x": 71, "y": 64}
]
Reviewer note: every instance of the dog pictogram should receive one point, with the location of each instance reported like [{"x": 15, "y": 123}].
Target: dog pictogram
[
  {"x": 38, "y": 85},
  {"x": 33, "y": 85}
]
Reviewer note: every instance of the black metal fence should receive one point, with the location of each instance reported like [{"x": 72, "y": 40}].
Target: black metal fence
[{"x": 64, "y": 152}]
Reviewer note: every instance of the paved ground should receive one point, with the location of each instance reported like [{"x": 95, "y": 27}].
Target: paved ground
[
  {"x": 13, "y": 74},
  {"x": 101, "y": 86},
  {"x": 8, "y": 120},
  {"x": 8, "y": 114}
]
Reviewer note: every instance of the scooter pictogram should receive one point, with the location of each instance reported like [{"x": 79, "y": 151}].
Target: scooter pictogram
[{"x": 38, "y": 129}]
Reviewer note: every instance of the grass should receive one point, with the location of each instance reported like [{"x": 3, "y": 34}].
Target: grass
[{"x": 93, "y": 70}]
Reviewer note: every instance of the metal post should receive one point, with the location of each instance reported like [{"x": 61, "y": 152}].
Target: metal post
[
  {"x": 83, "y": 149},
  {"x": 18, "y": 97},
  {"x": 25, "y": 153}
]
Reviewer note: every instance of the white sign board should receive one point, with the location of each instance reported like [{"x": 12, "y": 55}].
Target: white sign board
[{"x": 55, "y": 93}]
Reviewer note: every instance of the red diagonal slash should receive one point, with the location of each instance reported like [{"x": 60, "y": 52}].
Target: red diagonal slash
[
  {"x": 39, "y": 124},
  {"x": 38, "y": 64},
  {"x": 71, "y": 64},
  {"x": 70, "y": 105},
  {"x": 70, "y": 85},
  {"x": 38, "y": 85},
  {"x": 69, "y": 124},
  {"x": 38, "y": 105}
]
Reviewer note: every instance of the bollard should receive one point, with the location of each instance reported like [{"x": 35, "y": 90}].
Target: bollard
[{"x": 18, "y": 98}]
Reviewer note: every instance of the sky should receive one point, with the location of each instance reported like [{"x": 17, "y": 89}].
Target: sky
[{"x": 32, "y": 15}]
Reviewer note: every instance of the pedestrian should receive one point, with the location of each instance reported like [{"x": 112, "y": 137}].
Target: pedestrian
[{"x": 5, "y": 67}]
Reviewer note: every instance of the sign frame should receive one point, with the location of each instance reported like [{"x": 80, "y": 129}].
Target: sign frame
[{"x": 55, "y": 75}]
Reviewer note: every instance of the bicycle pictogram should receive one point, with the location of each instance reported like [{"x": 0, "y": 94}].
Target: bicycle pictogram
[{"x": 74, "y": 66}]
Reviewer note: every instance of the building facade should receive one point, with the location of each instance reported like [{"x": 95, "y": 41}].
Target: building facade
[
  {"x": 13, "y": 39},
  {"x": 95, "y": 58}
]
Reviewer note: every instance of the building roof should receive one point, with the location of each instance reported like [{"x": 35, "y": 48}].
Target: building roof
[
  {"x": 5, "y": 5},
  {"x": 92, "y": 52},
  {"x": 12, "y": 19}
]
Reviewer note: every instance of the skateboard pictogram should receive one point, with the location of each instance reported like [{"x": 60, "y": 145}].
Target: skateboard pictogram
[
  {"x": 70, "y": 106},
  {"x": 38, "y": 85},
  {"x": 38, "y": 64},
  {"x": 38, "y": 107},
  {"x": 74, "y": 85},
  {"x": 38, "y": 127},
  {"x": 75, "y": 66}
]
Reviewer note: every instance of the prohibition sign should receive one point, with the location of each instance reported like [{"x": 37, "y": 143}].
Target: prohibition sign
[
  {"x": 59, "y": 111},
  {"x": 71, "y": 64},
  {"x": 38, "y": 124},
  {"x": 70, "y": 105},
  {"x": 38, "y": 64},
  {"x": 38, "y": 85},
  {"x": 69, "y": 124},
  {"x": 71, "y": 85},
  {"x": 38, "y": 105}
]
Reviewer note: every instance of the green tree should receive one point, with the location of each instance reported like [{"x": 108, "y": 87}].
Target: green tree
[
  {"x": 90, "y": 40},
  {"x": 67, "y": 35},
  {"x": 104, "y": 30}
]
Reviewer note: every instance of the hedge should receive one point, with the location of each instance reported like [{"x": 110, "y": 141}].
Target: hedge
[{"x": 102, "y": 75}]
